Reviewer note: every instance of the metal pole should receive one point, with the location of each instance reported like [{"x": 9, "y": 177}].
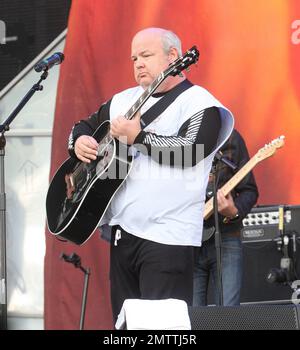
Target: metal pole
[
  {"x": 84, "y": 296},
  {"x": 3, "y": 128},
  {"x": 3, "y": 285}
]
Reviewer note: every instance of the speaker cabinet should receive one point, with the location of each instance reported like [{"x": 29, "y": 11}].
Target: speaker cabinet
[
  {"x": 259, "y": 258},
  {"x": 247, "y": 317}
]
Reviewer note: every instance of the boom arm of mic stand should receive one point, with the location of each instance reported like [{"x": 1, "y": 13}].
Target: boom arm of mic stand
[{"x": 36, "y": 87}]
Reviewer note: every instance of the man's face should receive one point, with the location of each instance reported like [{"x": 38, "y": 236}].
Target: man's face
[{"x": 149, "y": 58}]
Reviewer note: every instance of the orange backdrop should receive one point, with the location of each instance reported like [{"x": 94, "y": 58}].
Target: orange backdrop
[{"x": 249, "y": 59}]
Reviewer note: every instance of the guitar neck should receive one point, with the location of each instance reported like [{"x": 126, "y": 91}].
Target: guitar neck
[
  {"x": 229, "y": 186},
  {"x": 145, "y": 96}
]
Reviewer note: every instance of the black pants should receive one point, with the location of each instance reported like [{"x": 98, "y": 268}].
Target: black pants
[{"x": 142, "y": 269}]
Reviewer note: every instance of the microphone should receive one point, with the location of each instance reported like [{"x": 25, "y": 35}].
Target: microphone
[
  {"x": 219, "y": 155},
  {"x": 48, "y": 63}
]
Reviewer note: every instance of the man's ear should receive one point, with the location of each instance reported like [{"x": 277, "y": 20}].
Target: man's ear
[{"x": 173, "y": 54}]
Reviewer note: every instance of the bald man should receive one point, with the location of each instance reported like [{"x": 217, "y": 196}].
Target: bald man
[{"x": 156, "y": 215}]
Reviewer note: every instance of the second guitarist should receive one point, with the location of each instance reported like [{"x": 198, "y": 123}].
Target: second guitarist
[{"x": 232, "y": 209}]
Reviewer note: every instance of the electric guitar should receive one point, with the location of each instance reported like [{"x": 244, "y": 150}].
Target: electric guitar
[
  {"x": 79, "y": 193},
  {"x": 264, "y": 153}
]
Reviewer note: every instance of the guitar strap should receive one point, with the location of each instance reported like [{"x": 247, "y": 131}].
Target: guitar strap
[
  {"x": 147, "y": 118},
  {"x": 159, "y": 107}
]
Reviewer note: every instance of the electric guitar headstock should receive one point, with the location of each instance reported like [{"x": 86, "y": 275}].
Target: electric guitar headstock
[{"x": 269, "y": 149}]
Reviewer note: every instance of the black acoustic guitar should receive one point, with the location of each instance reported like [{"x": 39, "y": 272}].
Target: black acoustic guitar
[
  {"x": 80, "y": 193},
  {"x": 264, "y": 153}
]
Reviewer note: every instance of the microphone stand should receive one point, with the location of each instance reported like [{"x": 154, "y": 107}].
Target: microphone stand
[
  {"x": 218, "y": 245},
  {"x": 3, "y": 128},
  {"x": 76, "y": 261}
]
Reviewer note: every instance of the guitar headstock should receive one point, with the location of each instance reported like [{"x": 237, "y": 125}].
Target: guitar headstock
[
  {"x": 269, "y": 149},
  {"x": 183, "y": 62}
]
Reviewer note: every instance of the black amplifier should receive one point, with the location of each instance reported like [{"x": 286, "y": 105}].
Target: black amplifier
[{"x": 262, "y": 223}]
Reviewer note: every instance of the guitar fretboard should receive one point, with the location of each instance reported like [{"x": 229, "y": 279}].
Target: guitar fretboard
[{"x": 144, "y": 97}]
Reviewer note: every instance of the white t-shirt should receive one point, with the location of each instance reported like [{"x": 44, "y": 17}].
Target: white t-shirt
[{"x": 157, "y": 202}]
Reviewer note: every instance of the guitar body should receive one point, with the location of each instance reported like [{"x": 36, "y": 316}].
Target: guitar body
[{"x": 74, "y": 214}]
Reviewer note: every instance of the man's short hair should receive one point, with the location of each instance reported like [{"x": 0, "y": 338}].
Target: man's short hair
[{"x": 169, "y": 40}]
